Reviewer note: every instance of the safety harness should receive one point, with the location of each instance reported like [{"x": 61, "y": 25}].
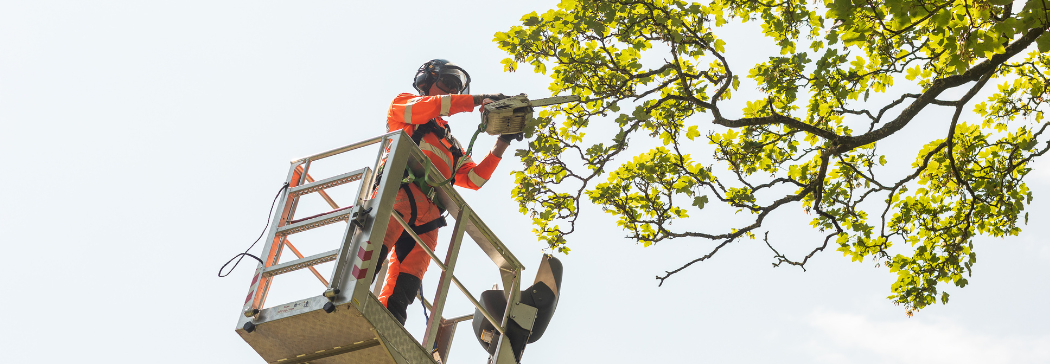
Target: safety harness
[{"x": 444, "y": 136}]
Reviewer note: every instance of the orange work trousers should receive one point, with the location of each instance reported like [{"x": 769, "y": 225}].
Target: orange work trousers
[{"x": 408, "y": 263}]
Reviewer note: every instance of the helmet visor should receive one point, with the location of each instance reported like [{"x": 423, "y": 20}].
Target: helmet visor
[{"x": 452, "y": 80}]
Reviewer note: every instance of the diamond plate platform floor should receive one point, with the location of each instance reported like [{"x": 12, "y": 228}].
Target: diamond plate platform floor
[
  {"x": 282, "y": 341},
  {"x": 345, "y": 336}
]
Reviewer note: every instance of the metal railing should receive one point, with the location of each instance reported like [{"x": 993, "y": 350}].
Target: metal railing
[
  {"x": 354, "y": 258},
  {"x": 467, "y": 222}
]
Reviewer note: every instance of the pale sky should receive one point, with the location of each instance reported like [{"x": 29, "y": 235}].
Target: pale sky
[{"x": 144, "y": 142}]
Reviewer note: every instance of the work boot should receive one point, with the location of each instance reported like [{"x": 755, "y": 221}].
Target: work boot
[{"x": 404, "y": 294}]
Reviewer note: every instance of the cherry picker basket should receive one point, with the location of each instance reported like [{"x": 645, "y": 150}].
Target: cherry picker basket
[{"x": 345, "y": 323}]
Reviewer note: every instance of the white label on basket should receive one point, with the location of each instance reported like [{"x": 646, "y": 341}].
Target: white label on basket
[{"x": 292, "y": 307}]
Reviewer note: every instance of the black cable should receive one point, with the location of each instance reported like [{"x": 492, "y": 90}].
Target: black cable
[
  {"x": 241, "y": 255},
  {"x": 421, "y": 303}
]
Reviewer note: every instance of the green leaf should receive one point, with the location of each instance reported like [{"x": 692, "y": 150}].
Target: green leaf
[
  {"x": 700, "y": 201},
  {"x": 531, "y": 19},
  {"x": 509, "y": 65},
  {"x": 1043, "y": 42},
  {"x": 692, "y": 133}
]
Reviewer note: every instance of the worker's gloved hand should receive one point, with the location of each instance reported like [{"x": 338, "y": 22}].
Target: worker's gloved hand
[
  {"x": 509, "y": 137},
  {"x": 478, "y": 98}
]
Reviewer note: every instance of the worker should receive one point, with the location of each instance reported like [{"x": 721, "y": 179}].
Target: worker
[{"x": 443, "y": 90}]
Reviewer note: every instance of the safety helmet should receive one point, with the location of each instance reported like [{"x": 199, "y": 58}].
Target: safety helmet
[{"x": 448, "y": 76}]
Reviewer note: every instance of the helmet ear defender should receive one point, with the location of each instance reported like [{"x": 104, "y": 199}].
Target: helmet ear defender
[
  {"x": 425, "y": 78},
  {"x": 430, "y": 72}
]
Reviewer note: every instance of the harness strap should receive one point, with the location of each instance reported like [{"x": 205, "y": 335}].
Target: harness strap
[
  {"x": 425, "y": 228},
  {"x": 411, "y": 203},
  {"x": 422, "y": 228},
  {"x": 430, "y": 226},
  {"x": 444, "y": 134},
  {"x": 436, "y": 223}
]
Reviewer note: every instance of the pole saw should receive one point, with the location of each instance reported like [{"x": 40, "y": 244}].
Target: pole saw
[{"x": 512, "y": 114}]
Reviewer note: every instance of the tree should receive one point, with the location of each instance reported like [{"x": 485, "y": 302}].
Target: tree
[{"x": 813, "y": 140}]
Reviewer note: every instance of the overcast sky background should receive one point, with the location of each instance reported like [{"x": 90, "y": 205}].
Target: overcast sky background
[{"x": 144, "y": 141}]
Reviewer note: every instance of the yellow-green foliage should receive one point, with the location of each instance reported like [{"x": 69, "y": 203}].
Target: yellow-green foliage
[{"x": 813, "y": 130}]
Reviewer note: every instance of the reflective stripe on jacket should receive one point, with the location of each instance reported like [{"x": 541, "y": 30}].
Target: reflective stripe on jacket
[{"x": 408, "y": 112}]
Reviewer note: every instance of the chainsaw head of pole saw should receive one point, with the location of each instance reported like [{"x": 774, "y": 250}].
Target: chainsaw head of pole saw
[{"x": 507, "y": 116}]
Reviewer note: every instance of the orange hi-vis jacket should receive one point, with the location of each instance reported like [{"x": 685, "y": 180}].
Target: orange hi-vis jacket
[{"x": 408, "y": 112}]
